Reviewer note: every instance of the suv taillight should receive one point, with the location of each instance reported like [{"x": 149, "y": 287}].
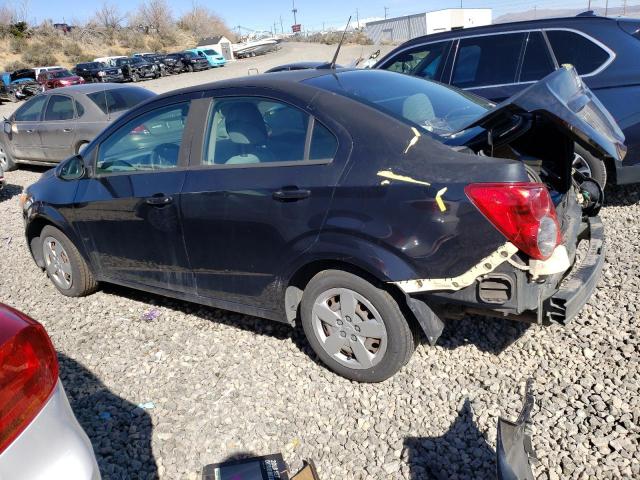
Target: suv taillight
[
  {"x": 28, "y": 372},
  {"x": 523, "y": 212}
]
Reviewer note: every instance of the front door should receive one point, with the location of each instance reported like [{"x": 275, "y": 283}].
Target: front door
[
  {"x": 128, "y": 212},
  {"x": 58, "y": 130},
  {"x": 25, "y": 135},
  {"x": 258, "y": 198}
]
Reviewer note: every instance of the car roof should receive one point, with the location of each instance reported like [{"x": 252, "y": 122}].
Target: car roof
[
  {"x": 87, "y": 88},
  {"x": 566, "y": 22}
]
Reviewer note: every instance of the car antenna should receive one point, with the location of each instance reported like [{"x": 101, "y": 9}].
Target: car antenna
[{"x": 332, "y": 65}]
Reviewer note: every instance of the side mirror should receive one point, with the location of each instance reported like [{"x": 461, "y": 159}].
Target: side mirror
[
  {"x": 7, "y": 127},
  {"x": 71, "y": 169}
]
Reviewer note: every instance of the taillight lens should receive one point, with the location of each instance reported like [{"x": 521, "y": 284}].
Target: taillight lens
[
  {"x": 523, "y": 212},
  {"x": 28, "y": 372}
]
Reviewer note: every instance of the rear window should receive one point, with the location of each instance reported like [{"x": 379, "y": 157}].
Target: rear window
[
  {"x": 577, "y": 50},
  {"x": 537, "y": 62},
  {"x": 60, "y": 74},
  {"x": 487, "y": 60},
  {"x": 117, "y": 100},
  {"x": 210, "y": 52},
  {"x": 436, "y": 108}
]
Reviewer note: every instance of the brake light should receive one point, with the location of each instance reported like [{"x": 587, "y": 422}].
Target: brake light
[
  {"x": 28, "y": 372},
  {"x": 523, "y": 212}
]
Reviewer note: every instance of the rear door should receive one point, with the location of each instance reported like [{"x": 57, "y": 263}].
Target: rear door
[
  {"x": 58, "y": 128},
  {"x": 127, "y": 212},
  {"x": 488, "y": 65},
  {"x": 256, "y": 195},
  {"x": 25, "y": 137}
]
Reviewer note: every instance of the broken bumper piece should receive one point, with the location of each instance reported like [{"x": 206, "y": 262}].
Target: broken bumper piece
[{"x": 575, "y": 290}]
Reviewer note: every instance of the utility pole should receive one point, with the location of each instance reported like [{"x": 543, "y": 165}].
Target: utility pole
[
  {"x": 624, "y": 8},
  {"x": 535, "y": 12},
  {"x": 386, "y": 9},
  {"x": 589, "y": 6},
  {"x": 606, "y": 8},
  {"x": 357, "y": 19},
  {"x": 281, "y": 25},
  {"x": 295, "y": 12}
]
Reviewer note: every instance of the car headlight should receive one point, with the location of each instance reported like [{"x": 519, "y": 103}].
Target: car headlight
[
  {"x": 101, "y": 74},
  {"x": 119, "y": 70},
  {"x": 25, "y": 200}
]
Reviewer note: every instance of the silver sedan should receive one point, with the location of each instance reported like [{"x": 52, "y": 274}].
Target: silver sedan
[{"x": 58, "y": 123}]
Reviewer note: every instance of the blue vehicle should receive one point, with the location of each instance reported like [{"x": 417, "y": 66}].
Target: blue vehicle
[
  {"x": 498, "y": 61},
  {"x": 214, "y": 58},
  {"x": 14, "y": 88}
]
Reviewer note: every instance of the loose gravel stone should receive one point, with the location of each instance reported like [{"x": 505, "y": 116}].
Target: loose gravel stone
[{"x": 225, "y": 385}]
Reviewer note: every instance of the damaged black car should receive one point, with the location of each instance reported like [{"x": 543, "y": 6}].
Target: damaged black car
[
  {"x": 93, "y": 72},
  {"x": 135, "y": 69},
  {"x": 364, "y": 205}
]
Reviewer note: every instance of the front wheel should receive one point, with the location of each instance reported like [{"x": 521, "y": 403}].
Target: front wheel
[
  {"x": 356, "y": 328},
  {"x": 65, "y": 266},
  {"x": 189, "y": 68},
  {"x": 589, "y": 166}
]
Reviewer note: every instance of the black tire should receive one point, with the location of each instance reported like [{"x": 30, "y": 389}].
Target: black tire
[
  {"x": 400, "y": 341},
  {"x": 135, "y": 77},
  {"x": 595, "y": 166},
  {"x": 6, "y": 160},
  {"x": 82, "y": 282},
  {"x": 189, "y": 68}
]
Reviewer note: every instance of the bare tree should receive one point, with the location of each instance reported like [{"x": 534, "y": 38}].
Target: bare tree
[
  {"x": 155, "y": 16},
  {"x": 109, "y": 16},
  {"x": 203, "y": 22},
  {"x": 7, "y": 15}
]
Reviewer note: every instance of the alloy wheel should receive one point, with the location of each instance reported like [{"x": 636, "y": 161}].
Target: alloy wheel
[
  {"x": 349, "y": 328},
  {"x": 57, "y": 263},
  {"x": 579, "y": 164}
]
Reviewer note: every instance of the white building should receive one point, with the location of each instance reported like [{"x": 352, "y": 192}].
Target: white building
[
  {"x": 401, "y": 29},
  {"x": 220, "y": 44}
]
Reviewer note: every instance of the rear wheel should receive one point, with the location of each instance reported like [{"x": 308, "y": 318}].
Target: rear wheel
[
  {"x": 65, "y": 266},
  {"x": 589, "y": 166},
  {"x": 135, "y": 77},
  {"x": 6, "y": 161},
  {"x": 357, "y": 329},
  {"x": 189, "y": 68}
]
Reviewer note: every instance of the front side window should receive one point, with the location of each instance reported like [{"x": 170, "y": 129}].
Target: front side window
[
  {"x": 537, "y": 62},
  {"x": 255, "y": 130},
  {"x": 423, "y": 61},
  {"x": 487, "y": 60},
  {"x": 31, "y": 111},
  {"x": 149, "y": 142},
  {"x": 119, "y": 99},
  {"x": 59, "y": 108},
  {"x": 577, "y": 50}
]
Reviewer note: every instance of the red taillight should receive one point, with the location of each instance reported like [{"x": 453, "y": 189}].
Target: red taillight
[
  {"x": 523, "y": 212},
  {"x": 28, "y": 372}
]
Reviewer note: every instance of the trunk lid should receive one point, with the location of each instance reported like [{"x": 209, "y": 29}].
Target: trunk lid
[{"x": 564, "y": 99}]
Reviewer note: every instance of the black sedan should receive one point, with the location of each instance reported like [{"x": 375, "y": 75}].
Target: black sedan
[{"x": 365, "y": 204}]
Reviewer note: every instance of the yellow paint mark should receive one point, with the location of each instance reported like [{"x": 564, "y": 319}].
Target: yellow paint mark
[
  {"x": 401, "y": 178},
  {"x": 441, "y": 205},
  {"x": 414, "y": 140}
]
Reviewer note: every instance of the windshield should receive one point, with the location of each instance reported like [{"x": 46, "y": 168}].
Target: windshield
[
  {"x": 122, "y": 61},
  {"x": 118, "y": 99},
  {"x": 90, "y": 65},
  {"x": 435, "y": 107},
  {"x": 61, "y": 74}
]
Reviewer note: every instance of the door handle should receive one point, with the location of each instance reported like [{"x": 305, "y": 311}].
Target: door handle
[
  {"x": 291, "y": 194},
  {"x": 29, "y": 131},
  {"x": 159, "y": 200},
  {"x": 67, "y": 130}
]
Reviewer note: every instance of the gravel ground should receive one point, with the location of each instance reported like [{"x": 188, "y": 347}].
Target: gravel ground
[{"x": 218, "y": 384}]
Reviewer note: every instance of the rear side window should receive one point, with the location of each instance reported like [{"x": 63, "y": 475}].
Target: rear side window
[
  {"x": 59, "y": 108},
  {"x": 423, "y": 61},
  {"x": 116, "y": 100},
  {"x": 30, "y": 111},
  {"x": 149, "y": 142},
  {"x": 577, "y": 50},
  {"x": 255, "y": 130},
  {"x": 537, "y": 61},
  {"x": 488, "y": 60}
]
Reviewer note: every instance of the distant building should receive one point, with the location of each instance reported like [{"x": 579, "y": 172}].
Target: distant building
[
  {"x": 220, "y": 44},
  {"x": 401, "y": 29}
]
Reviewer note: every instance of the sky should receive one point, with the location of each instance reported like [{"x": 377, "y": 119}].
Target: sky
[{"x": 312, "y": 14}]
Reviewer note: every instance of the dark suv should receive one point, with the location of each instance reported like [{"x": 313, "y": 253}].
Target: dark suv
[{"x": 498, "y": 61}]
